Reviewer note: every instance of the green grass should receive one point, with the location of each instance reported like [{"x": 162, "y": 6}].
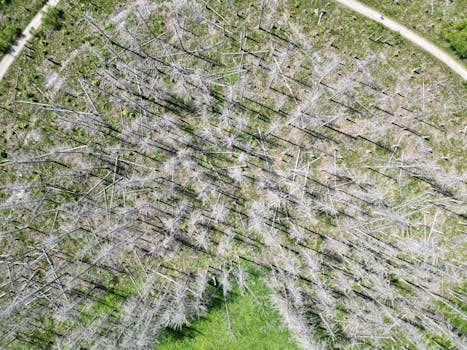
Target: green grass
[
  {"x": 254, "y": 324},
  {"x": 456, "y": 35},
  {"x": 456, "y": 316}
]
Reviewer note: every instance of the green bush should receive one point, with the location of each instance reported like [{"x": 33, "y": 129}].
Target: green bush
[
  {"x": 8, "y": 35},
  {"x": 456, "y": 35},
  {"x": 53, "y": 18}
]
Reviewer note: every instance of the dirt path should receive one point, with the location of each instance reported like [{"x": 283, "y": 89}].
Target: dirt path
[
  {"x": 408, "y": 34},
  {"x": 357, "y": 6},
  {"x": 10, "y": 57}
]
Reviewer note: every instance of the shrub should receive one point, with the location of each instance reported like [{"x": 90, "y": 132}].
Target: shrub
[
  {"x": 53, "y": 18},
  {"x": 456, "y": 35},
  {"x": 8, "y": 34}
]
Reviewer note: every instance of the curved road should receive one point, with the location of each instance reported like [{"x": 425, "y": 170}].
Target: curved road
[
  {"x": 408, "y": 34},
  {"x": 357, "y": 6},
  {"x": 10, "y": 57}
]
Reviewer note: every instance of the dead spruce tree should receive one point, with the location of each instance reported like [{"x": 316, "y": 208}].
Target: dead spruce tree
[{"x": 209, "y": 139}]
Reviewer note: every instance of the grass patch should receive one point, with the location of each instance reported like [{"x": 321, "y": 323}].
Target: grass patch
[{"x": 254, "y": 324}]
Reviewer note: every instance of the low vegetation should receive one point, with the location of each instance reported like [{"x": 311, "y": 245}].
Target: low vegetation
[
  {"x": 244, "y": 320},
  {"x": 14, "y": 17},
  {"x": 456, "y": 35},
  {"x": 53, "y": 19}
]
